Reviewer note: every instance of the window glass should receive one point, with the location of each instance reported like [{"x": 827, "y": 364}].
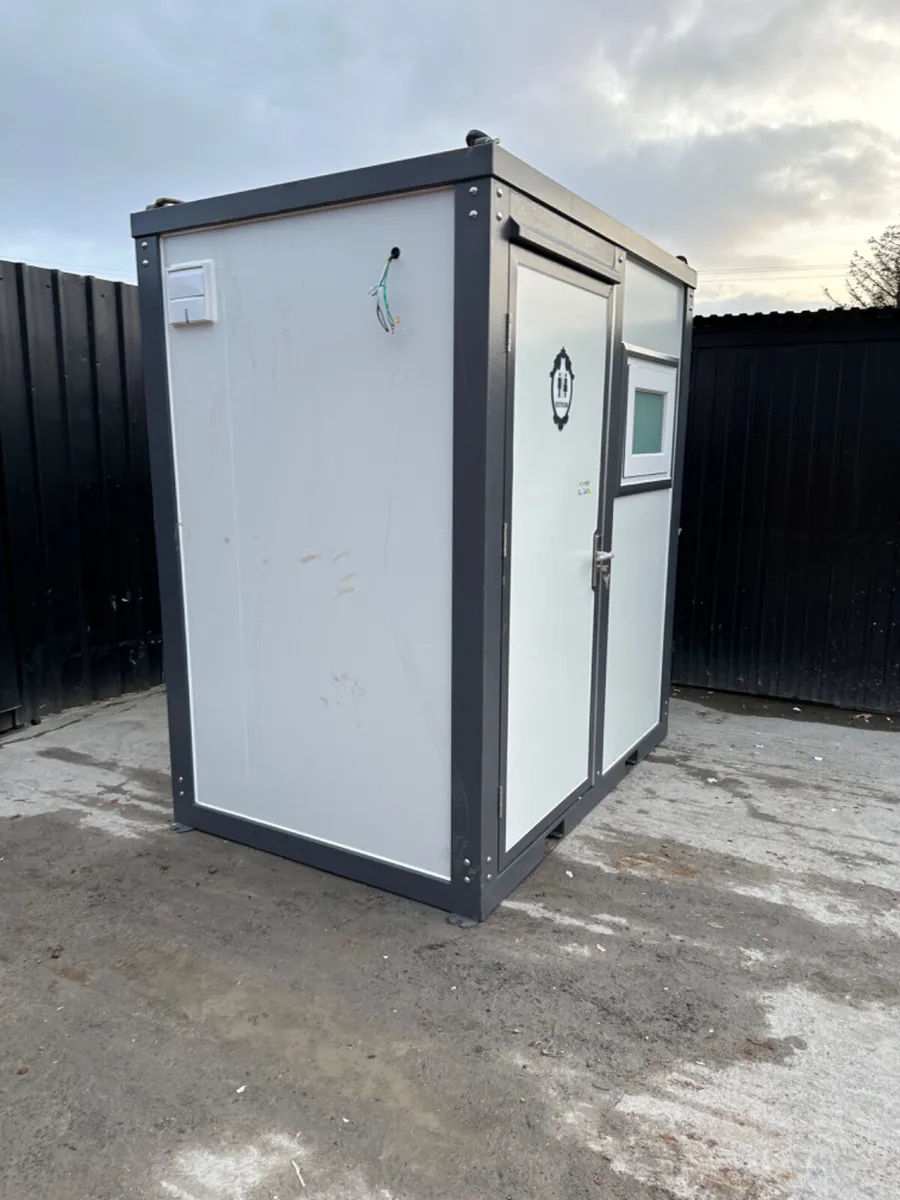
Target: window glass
[
  {"x": 649, "y": 418},
  {"x": 654, "y": 310}
]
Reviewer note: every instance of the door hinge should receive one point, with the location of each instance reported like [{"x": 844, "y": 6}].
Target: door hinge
[
  {"x": 508, "y": 333},
  {"x": 500, "y": 800},
  {"x": 505, "y": 538}
]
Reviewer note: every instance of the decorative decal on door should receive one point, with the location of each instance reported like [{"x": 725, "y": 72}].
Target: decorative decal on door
[{"x": 562, "y": 388}]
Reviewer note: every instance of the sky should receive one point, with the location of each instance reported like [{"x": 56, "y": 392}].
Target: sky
[{"x": 760, "y": 138}]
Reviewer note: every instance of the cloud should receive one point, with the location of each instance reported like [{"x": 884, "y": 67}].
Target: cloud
[
  {"x": 727, "y": 130},
  {"x": 770, "y": 61},
  {"x": 726, "y": 192}
]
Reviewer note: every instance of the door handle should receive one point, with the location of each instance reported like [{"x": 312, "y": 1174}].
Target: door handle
[{"x": 602, "y": 564}]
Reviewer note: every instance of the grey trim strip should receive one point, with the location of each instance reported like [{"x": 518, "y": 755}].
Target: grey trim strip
[
  {"x": 364, "y": 183},
  {"x": 681, "y": 419},
  {"x": 478, "y": 423},
  {"x": 618, "y": 421},
  {"x": 165, "y": 514},
  {"x": 648, "y": 485},
  {"x": 670, "y": 360},
  {"x": 615, "y": 401},
  {"x": 495, "y": 422},
  {"x": 371, "y": 871},
  {"x": 414, "y": 174}
]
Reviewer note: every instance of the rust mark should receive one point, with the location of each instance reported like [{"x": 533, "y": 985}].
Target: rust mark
[
  {"x": 661, "y": 863},
  {"x": 75, "y": 974},
  {"x": 732, "y": 1182}
]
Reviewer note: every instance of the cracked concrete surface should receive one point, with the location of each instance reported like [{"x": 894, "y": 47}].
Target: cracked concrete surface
[{"x": 695, "y": 996}]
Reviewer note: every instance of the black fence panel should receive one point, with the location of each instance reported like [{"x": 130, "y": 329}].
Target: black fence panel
[
  {"x": 79, "y": 610},
  {"x": 789, "y": 559}
]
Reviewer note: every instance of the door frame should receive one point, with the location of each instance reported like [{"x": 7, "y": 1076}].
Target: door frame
[{"x": 568, "y": 270}]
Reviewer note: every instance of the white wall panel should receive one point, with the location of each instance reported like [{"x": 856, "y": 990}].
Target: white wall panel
[
  {"x": 314, "y": 460},
  {"x": 637, "y": 613}
]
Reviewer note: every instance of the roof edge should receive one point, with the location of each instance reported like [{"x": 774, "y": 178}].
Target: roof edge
[{"x": 429, "y": 171}]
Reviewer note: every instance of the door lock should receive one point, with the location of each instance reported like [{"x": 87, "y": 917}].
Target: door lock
[{"x": 602, "y": 564}]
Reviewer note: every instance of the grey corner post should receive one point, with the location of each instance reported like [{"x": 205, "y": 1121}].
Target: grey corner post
[
  {"x": 684, "y": 384},
  {"x": 165, "y": 514}
]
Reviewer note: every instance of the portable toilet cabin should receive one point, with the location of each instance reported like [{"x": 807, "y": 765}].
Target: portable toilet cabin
[{"x": 416, "y": 439}]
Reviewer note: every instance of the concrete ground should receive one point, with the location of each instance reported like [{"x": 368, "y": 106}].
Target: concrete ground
[{"x": 695, "y": 996}]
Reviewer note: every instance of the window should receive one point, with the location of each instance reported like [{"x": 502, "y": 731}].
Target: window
[
  {"x": 650, "y": 421},
  {"x": 649, "y": 416}
]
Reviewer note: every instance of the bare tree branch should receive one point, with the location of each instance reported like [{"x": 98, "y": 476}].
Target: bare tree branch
[{"x": 873, "y": 280}]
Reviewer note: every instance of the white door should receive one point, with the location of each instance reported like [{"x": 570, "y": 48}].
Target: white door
[{"x": 561, "y": 332}]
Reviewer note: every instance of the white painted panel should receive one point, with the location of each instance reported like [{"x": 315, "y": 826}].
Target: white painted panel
[
  {"x": 554, "y": 514},
  {"x": 653, "y": 316},
  {"x": 314, "y": 459},
  {"x": 637, "y": 613}
]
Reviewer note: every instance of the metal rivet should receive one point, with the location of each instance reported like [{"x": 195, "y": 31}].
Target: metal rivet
[
  {"x": 145, "y": 262},
  {"x": 499, "y": 191},
  {"x": 181, "y": 793},
  {"x": 499, "y": 216},
  {"x": 621, "y": 256},
  {"x": 489, "y": 858},
  {"x": 467, "y": 862},
  {"x": 467, "y": 880},
  {"x": 490, "y": 877},
  {"x": 144, "y": 245},
  {"x": 473, "y": 190},
  {"x": 181, "y": 780},
  {"x": 473, "y": 212}
]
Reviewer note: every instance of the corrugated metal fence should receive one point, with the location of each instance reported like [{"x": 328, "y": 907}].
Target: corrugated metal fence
[
  {"x": 788, "y": 570},
  {"x": 789, "y": 562},
  {"x": 79, "y": 612}
]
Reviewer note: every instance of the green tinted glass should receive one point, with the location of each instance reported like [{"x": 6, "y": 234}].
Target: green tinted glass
[{"x": 649, "y": 414}]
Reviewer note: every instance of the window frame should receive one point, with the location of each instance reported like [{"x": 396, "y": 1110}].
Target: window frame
[{"x": 661, "y": 378}]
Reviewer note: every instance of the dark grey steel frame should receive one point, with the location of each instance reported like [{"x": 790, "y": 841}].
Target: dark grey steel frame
[{"x": 498, "y": 199}]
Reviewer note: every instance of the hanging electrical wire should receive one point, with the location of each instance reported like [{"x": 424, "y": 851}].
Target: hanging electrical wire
[{"x": 386, "y": 319}]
